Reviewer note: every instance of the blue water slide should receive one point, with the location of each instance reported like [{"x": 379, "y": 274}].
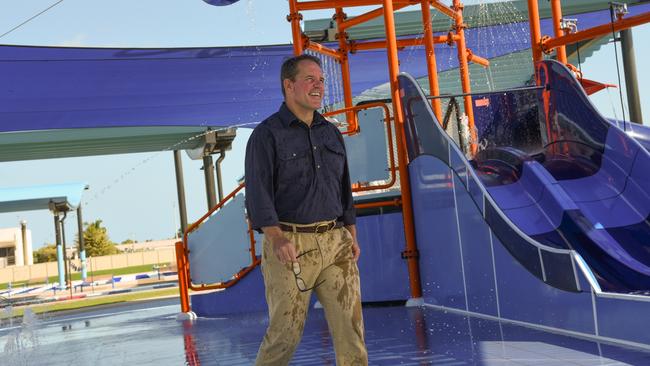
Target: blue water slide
[{"x": 560, "y": 186}]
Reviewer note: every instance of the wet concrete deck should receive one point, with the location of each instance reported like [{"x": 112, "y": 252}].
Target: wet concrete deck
[{"x": 148, "y": 334}]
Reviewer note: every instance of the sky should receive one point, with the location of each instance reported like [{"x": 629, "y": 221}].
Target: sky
[{"x": 135, "y": 194}]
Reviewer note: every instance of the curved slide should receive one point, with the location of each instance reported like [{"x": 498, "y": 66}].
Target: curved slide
[{"x": 557, "y": 184}]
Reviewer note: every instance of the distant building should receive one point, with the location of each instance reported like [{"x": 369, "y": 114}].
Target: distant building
[{"x": 14, "y": 251}]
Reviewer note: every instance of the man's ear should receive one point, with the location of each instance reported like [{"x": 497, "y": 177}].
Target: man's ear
[{"x": 287, "y": 85}]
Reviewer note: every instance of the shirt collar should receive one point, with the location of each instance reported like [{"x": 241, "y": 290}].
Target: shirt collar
[{"x": 287, "y": 117}]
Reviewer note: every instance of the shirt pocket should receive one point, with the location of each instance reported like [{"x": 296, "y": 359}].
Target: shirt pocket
[
  {"x": 334, "y": 158},
  {"x": 294, "y": 165}
]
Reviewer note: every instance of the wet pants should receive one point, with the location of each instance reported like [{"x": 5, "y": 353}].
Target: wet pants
[{"x": 331, "y": 265}]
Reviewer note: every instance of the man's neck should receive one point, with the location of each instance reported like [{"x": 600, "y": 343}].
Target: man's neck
[{"x": 304, "y": 115}]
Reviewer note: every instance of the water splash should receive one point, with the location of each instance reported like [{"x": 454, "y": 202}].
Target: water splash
[{"x": 23, "y": 342}]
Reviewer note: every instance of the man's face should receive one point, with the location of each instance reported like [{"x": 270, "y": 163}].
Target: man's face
[{"x": 306, "y": 92}]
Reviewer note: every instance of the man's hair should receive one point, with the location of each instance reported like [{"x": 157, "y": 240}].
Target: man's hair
[{"x": 289, "y": 68}]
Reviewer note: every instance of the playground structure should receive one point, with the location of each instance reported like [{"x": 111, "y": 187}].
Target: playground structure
[
  {"x": 518, "y": 234},
  {"x": 560, "y": 275}
]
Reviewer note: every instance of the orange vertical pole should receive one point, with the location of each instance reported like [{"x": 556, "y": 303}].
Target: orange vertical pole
[
  {"x": 535, "y": 30},
  {"x": 294, "y": 17},
  {"x": 350, "y": 116},
  {"x": 407, "y": 206},
  {"x": 556, "y": 10},
  {"x": 464, "y": 72},
  {"x": 432, "y": 68},
  {"x": 181, "y": 265}
]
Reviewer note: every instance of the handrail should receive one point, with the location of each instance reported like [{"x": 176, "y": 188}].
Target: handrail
[
  {"x": 184, "y": 264},
  {"x": 389, "y": 133}
]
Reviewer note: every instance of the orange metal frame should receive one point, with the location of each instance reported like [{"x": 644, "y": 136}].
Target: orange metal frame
[
  {"x": 355, "y": 128},
  {"x": 392, "y": 45},
  {"x": 545, "y": 44},
  {"x": 301, "y": 42}
]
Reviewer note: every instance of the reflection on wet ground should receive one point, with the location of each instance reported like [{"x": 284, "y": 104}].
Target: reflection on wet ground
[{"x": 149, "y": 334}]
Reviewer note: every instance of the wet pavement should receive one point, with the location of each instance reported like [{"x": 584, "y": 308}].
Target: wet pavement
[{"x": 148, "y": 333}]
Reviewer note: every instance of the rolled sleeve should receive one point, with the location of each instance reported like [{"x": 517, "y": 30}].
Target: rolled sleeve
[{"x": 259, "y": 168}]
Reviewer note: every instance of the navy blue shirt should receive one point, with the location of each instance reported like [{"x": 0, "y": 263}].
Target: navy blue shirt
[{"x": 297, "y": 173}]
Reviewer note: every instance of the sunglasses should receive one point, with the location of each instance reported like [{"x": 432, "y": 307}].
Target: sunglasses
[{"x": 300, "y": 282}]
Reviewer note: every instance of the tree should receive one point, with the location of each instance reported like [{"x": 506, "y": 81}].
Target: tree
[
  {"x": 45, "y": 254},
  {"x": 96, "y": 240},
  {"x": 128, "y": 241}
]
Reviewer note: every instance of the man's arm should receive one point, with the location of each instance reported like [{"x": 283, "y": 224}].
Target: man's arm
[
  {"x": 259, "y": 193},
  {"x": 356, "y": 251}
]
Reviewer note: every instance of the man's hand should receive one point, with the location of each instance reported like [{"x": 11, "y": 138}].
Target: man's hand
[
  {"x": 356, "y": 251},
  {"x": 283, "y": 248}
]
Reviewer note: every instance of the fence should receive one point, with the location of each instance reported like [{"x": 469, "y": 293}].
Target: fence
[{"x": 39, "y": 272}]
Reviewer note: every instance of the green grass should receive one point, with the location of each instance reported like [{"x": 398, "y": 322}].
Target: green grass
[
  {"x": 99, "y": 300},
  {"x": 77, "y": 275}
]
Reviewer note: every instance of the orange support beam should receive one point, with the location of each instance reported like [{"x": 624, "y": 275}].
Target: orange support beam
[
  {"x": 464, "y": 73},
  {"x": 294, "y": 17},
  {"x": 432, "y": 68},
  {"x": 314, "y": 46},
  {"x": 444, "y": 9},
  {"x": 359, "y": 19},
  {"x": 407, "y": 206},
  {"x": 401, "y": 43},
  {"x": 598, "y": 31},
  {"x": 535, "y": 30},
  {"x": 393, "y": 202},
  {"x": 182, "y": 277},
  {"x": 350, "y": 117},
  {"x": 556, "y": 10},
  {"x": 330, "y": 4},
  {"x": 471, "y": 57}
]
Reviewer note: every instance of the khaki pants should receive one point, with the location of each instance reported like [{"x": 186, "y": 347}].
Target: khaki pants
[{"x": 333, "y": 265}]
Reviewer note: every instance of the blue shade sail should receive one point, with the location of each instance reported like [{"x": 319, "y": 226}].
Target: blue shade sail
[{"x": 53, "y": 88}]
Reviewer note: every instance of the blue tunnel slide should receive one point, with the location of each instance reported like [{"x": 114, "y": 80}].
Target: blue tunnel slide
[{"x": 551, "y": 176}]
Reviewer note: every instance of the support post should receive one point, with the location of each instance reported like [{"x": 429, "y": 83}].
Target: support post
[
  {"x": 222, "y": 155},
  {"x": 350, "y": 116},
  {"x": 59, "y": 250},
  {"x": 82, "y": 245},
  {"x": 23, "y": 234},
  {"x": 556, "y": 10},
  {"x": 432, "y": 68},
  {"x": 464, "y": 73},
  {"x": 66, "y": 260},
  {"x": 182, "y": 277},
  {"x": 407, "y": 207},
  {"x": 180, "y": 189},
  {"x": 208, "y": 172},
  {"x": 294, "y": 17},
  {"x": 631, "y": 80},
  {"x": 535, "y": 31}
]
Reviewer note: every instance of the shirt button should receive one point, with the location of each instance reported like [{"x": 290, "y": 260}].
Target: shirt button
[
  {"x": 294, "y": 154},
  {"x": 314, "y": 147},
  {"x": 318, "y": 166}
]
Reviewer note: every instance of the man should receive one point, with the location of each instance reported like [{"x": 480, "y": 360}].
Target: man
[{"x": 298, "y": 193}]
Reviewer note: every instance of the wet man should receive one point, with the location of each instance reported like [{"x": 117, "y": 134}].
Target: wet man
[{"x": 298, "y": 193}]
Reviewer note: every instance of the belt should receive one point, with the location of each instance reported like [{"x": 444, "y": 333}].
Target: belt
[{"x": 314, "y": 229}]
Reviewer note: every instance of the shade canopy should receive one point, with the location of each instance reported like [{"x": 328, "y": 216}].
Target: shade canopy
[
  {"x": 64, "y": 88},
  {"x": 65, "y": 196}
]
